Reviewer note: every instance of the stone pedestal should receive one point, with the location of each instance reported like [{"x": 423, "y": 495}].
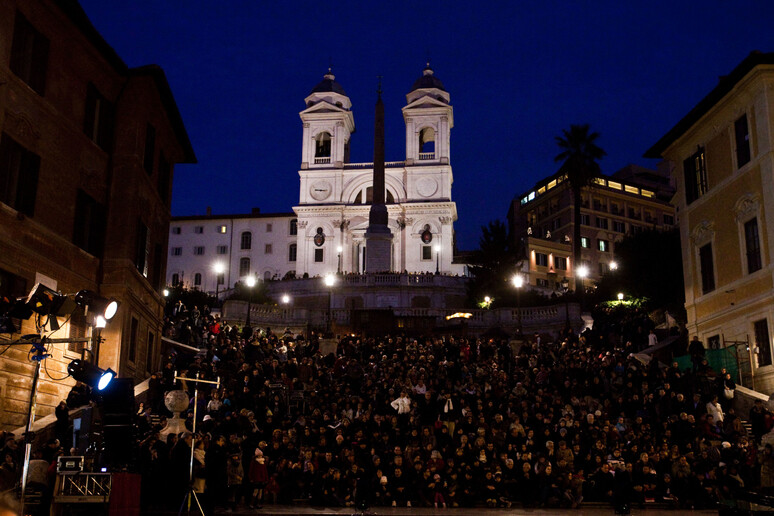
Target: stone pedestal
[{"x": 378, "y": 249}]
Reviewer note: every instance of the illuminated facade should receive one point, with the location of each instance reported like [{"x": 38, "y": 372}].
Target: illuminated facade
[
  {"x": 542, "y": 220},
  {"x": 723, "y": 164}
]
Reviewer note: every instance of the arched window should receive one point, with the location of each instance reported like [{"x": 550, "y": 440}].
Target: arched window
[
  {"x": 198, "y": 279},
  {"x": 427, "y": 143},
  {"x": 244, "y": 267},
  {"x": 322, "y": 147},
  {"x": 175, "y": 279},
  {"x": 292, "y": 252},
  {"x": 267, "y": 276},
  {"x": 247, "y": 240}
]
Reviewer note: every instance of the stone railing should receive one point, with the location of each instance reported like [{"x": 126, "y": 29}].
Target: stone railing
[
  {"x": 387, "y": 164},
  {"x": 426, "y": 156},
  {"x": 322, "y": 161}
]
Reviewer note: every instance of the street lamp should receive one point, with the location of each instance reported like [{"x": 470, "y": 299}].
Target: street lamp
[
  {"x": 285, "y": 299},
  {"x": 437, "y": 259},
  {"x": 582, "y": 271},
  {"x": 250, "y": 283},
  {"x": 330, "y": 280},
  {"x": 565, "y": 289},
  {"x": 219, "y": 269},
  {"x": 620, "y": 296},
  {"x": 339, "y": 250},
  {"x": 613, "y": 265},
  {"x": 518, "y": 282}
]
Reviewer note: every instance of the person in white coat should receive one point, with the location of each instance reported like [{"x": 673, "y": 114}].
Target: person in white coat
[
  {"x": 715, "y": 410},
  {"x": 402, "y": 404}
]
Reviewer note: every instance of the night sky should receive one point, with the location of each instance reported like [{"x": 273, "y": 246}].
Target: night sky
[{"x": 518, "y": 73}]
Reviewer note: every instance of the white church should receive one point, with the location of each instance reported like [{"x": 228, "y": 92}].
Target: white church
[{"x": 326, "y": 231}]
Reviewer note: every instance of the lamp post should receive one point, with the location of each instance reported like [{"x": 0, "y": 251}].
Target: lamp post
[
  {"x": 565, "y": 289},
  {"x": 339, "y": 250},
  {"x": 250, "y": 283},
  {"x": 613, "y": 265},
  {"x": 330, "y": 280},
  {"x": 437, "y": 259},
  {"x": 518, "y": 282},
  {"x": 219, "y": 269},
  {"x": 582, "y": 271}
]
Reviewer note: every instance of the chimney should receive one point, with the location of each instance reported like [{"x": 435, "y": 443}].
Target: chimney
[
  {"x": 256, "y": 211},
  {"x": 209, "y": 211}
]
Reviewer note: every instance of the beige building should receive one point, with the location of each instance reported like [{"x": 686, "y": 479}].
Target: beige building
[
  {"x": 632, "y": 199},
  {"x": 721, "y": 154},
  {"x": 87, "y": 149}
]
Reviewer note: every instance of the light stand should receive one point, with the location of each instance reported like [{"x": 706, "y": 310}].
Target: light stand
[{"x": 190, "y": 493}]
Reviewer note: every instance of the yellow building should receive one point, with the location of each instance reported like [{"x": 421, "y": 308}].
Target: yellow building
[
  {"x": 632, "y": 199},
  {"x": 721, "y": 156}
]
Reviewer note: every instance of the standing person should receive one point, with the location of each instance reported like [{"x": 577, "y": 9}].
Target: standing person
[
  {"x": 216, "y": 462},
  {"x": 235, "y": 474},
  {"x": 259, "y": 476},
  {"x": 715, "y": 410},
  {"x": 62, "y": 426},
  {"x": 652, "y": 338},
  {"x": 696, "y": 350}
]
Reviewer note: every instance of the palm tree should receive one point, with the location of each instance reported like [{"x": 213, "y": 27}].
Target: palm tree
[{"x": 579, "y": 162}]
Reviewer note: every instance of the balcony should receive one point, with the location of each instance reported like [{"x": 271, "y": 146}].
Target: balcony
[
  {"x": 425, "y": 156},
  {"x": 322, "y": 161}
]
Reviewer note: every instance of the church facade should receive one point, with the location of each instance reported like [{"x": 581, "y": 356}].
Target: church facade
[{"x": 328, "y": 226}]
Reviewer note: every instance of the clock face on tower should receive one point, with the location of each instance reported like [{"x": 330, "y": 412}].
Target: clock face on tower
[{"x": 320, "y": 190}]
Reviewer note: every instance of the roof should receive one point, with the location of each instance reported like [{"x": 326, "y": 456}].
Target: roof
[
  {"x": 725, "y": 85},
  {"x": 329, "y": 84},
  {"x": 428, "y": 80},
  {"x": 234, "y": 216},
  {"x": 73, "y": 10}
]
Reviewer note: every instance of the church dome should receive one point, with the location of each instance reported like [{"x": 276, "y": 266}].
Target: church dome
[
  {"x": 428, "y": 80},
  {"x": 329, "y": 84}
]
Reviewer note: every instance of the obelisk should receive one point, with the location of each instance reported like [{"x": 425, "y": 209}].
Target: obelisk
[{"x": 378, "y": 235}]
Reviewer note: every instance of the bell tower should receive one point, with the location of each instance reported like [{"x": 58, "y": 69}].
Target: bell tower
[
  {"x": 429, "y": 119},
  {"x": 328, "y": 125}
]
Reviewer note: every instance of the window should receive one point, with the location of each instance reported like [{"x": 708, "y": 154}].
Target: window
[
  {"x": 142, "y": 248},
  {"x": 603, "y": 245},
  {"x": 98, "y": 118},
  {"x": 541, "y": 259},
  {"x": 198, "y": 279},
  {"x": 762, "y": 342},
  {"x": 199, "y": 230},
  {"x": 244, "y": 267},
  {"x": 318, "y": 255},
  {"x": 557, "y": 222},
  {"x": 89, "y": 224},
  {"x": 267, "y": 249},
  {"x": 695, "y": 173},
  {"x": 752, "y": 245},
  {"x": 176, "y": 230},
  {"x": 585, "y": 220},
  {"x": 222, "y": 249},
  {"x": 78, "y": 330},
  {"x": 158, "y": 266},
  {"x": 247, "y": 240},
  {"x": 614, "y": 208},
  {"x": 221, "y": 278},
  {"x": 713, "y": 342},
  {"x": 619, "y": 227},
  {"x": 177, "y": 251},
  {"x": 669, "y": 220},
  {"x": 269, "y": 227},
  {"x": 603, "y": 268},
  {"x": 742, "y": 137},
  {"x": 322, "y": 148},
  {"x": 585, "y": 242},
  {"x": 18, "y": 176},
  {"x": 601, "y": 223},
  {"x": 150, "y": 149},
  {"x": 29, "y": 54},
  {"x": 199, "y": 250},
  {"x": 221, "y": 229},
  {"x": 560, "y": 262},
  {"x": 541, "y": 282},
  {"x": 132, "y": 351},
  {"x": 293, "y": 226},
  {"x": 634, "y": 214},
  {"x": 292, "y": 252},
  {"x": 175, "y": 279},
  {"x": 707, "y": 268},
  {"x": 427, "y": 252}
]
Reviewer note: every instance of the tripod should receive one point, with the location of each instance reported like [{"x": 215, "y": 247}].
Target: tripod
[{"x": 191, "y": 493}]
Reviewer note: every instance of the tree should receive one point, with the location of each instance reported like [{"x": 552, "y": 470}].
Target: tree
[
  {"x": 494, "y": 263},
  {"x": 579, "y": 158}
]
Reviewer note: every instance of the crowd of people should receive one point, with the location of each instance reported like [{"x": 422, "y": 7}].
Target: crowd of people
[
  {"x": 448, "y": 422},
  {"x": 437, "y": 422}
]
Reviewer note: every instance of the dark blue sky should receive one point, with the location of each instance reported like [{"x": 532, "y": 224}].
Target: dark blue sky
[{"x": 518, "y": 73}]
